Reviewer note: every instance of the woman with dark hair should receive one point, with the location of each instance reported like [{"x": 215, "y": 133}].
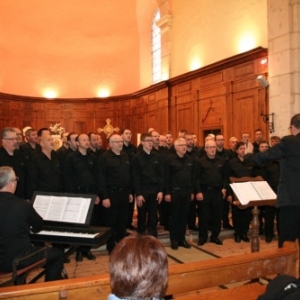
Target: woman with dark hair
[{"x": 138, "y": 269}]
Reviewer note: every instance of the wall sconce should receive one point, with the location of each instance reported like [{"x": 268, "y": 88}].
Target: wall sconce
[
  {"x": 269, "y": 119},
  {"x": 262, "y": 81}
]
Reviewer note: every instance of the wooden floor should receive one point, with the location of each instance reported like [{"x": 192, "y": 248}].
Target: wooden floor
[
  {"x": 207, "y": 251},
  {"x": 196, "y": 253}
]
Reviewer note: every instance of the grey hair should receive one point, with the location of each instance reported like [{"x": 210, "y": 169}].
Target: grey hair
[
  {"x": 6, "y": 175},
  {"x": 5, "y": 130},
  {"x": 178, "y": 141}
]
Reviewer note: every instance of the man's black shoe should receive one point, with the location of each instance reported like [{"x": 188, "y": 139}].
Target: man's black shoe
[
  {"x": 245, "y": 238},
  {"x": 228, "y": 226},
  {"x": 201, "y": 242},
  {"x": 216, "y": 241},
  {"x": 174, "y": 245},
  {"x": 269, "y": 239},
  {"x": 89, "y": 255},
  {"x": 184, "y": 244},
  {"x": 78, "y": 257},
  {"x": 237, "y": 239}
]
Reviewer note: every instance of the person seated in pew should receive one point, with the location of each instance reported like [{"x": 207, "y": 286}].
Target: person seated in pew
[
  {"x": 17, "y": 217},
  {"x": 282, "y": 287},
  {"x": 138, "y": 269}
]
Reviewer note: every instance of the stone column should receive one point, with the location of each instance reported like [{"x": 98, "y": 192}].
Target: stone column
[{"x": 284, "y": 61}]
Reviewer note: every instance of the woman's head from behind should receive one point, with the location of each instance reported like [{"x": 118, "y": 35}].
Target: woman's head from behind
[{"x": 139, "y": 268}]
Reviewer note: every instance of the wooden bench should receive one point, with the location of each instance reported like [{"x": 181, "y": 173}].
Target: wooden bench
[{"x": 186, "y": 278}]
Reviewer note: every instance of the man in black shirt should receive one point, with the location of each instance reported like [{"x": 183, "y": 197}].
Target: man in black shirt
[
  {"x": 212, "y": 183},
  {"x": 232, "y": 146},
  {"x": 258, "y": 138},
  {"x": 17, "y": 217},
  {"x": 115, "y": 188},
  {"x": 62, "y": 151},
  {"x": 179, "y": 191},
  {"x": 80, "y": 174},
  {"x": 192, "y": 152},
  {"x": 130, "y": 150},
  {"x": 225, "y": 155},
  {"x": 94, "y": 149},
  {"x": 10, "y": 156},
  {"x": 241, "y": 218},
  {"x": 32, "y": 146},
  {"x": 148, "y": 175},
  {"x": 270, "y": 173},
  {"x": 43, "y": 170}
]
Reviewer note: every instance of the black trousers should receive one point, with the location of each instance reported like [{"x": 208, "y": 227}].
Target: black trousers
[
  {"x": 147, "y": 213},
  {"x": 289, "y": 225},
  {"x": 212, "y": 204},
  {"x": 116, "y": 216},
  {"x": 180, "y": 203},
  {"x": 225, "y": 212},
  {"x": 267, "y": 213},
  {"x": 241, "y": 219},
  {"x": 192, "y": 215},
  {"x": 130, "y": 213},
  {"x": 53, "y": 266}
]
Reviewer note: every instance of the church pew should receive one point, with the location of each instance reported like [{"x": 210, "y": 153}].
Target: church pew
[{"x": 183, "y": 278}]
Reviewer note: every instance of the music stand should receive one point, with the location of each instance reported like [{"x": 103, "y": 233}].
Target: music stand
[{"x": 255, "y": 210}]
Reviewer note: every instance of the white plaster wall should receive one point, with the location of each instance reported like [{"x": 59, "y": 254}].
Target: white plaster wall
[{"x": 208, "y": 31}]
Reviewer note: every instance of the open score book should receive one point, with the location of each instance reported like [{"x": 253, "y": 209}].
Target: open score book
[
  {"x": 252, "y": 191},
  {"x": 68, "y": 208}
]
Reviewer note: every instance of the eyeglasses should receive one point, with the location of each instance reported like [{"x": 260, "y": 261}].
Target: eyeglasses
[
  {"x": 10, "y": 139},
  {"x": 211, "y": 147},
  {"x": 15, "y": 179},
  {"x": 181, "y": 145}
]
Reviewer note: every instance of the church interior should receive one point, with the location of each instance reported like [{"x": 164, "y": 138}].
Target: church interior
[{"x": 87, "y": 64}]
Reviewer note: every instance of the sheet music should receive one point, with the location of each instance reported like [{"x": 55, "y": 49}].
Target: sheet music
[
  {"x": 63, "y": 209},
  {"x": 264, "y": 190},
  {"x": 252, "y": 191}
]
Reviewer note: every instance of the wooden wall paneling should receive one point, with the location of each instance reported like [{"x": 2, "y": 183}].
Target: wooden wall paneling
[
  {"x": 211, "y": 112},
  {"x": 228, "y": 114},
  {"x": 245, "y": 111},
  {"x": 174, "y": 104},
  {"x": 79, "y": 127},
  {"x": 263, "y": 108},
  {"x": 173, "y": 116},
  {"x": 185, "y": 120}
]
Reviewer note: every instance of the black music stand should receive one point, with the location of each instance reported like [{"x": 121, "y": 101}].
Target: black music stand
[{"x": 255, "y": 210}]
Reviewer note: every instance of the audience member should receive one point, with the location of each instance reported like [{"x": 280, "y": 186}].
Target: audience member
[{"x": 138, "y": 269}]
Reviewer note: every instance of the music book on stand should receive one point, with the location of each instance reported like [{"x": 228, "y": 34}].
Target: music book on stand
[
  {"x": 64, "y": 208},
  {"x": 252, "y": 191}
]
